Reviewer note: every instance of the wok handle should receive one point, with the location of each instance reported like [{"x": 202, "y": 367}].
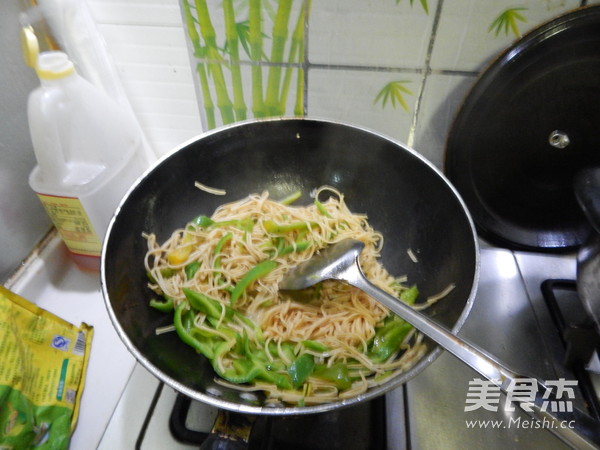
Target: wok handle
[
  {"x": 576, "y": 428},
  {"x": 587, "y": 192}
]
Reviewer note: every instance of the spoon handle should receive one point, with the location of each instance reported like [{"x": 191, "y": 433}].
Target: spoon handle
[{"x": 575, "y": 427}]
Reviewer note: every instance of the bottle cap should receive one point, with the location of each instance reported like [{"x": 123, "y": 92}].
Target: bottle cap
[
  {"x": 50, "y": 65},
  {"x": 53, "y": 65}
]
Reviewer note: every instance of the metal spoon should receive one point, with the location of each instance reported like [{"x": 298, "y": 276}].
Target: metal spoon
[{"x": 340, "y": 262}]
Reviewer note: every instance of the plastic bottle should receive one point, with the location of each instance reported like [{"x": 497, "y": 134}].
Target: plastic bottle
[{"x": 88, "y": 150}]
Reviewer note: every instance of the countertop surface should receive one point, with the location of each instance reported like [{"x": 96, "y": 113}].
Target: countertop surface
[
  {"x": 52, "y": 281},
  {"x": 506, "y": 320}
]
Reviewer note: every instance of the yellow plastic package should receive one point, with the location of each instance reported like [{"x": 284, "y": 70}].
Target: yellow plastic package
[{"x": 43, "y": 361}]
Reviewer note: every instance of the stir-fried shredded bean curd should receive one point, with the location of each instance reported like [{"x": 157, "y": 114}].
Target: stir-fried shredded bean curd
[{"x": 218, "y": 276}]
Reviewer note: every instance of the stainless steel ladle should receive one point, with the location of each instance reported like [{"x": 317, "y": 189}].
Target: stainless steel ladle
[{"x": 340, "y": 261}]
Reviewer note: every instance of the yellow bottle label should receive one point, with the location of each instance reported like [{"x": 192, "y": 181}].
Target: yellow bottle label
[{"x": 73, "y": 224}]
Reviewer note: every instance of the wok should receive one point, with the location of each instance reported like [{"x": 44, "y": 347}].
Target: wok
[{"x": 404, "y": 196}]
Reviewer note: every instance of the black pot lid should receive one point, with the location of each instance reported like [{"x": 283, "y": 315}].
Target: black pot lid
[{"x": 529, "y": 124}]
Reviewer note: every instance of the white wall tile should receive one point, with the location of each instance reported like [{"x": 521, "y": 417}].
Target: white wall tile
[
  {"x": 369, "y": 33},
  {"x": 464, "y": 40},
  {"x": 442, "y": 98},
  {"x": 147, "y": 43},
  {"x": 349, "y": 95},
  {"x": 137, "y": 12}
]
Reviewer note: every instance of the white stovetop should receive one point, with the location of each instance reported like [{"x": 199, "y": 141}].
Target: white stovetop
[{"x": 53, "y": 282}]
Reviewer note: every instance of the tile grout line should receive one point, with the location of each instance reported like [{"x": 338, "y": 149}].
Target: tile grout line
[
  {"x": 426, "y": 72},
  {"x": 305, "y": 63}
]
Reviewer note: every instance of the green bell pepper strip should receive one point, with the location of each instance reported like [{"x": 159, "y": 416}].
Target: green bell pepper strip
[
  {"x": 164, "y": 306},
  {"x": 301, "y": 369},
  {"x": 191, "y": 269},
  {"x": 286, "y": 352},
  {"x": 388, "y": 340},
  {"x": 291, "y": 198},
  {"x": 391, "y": 321},
  {"x": 250, "y": 324},
  {"x": 315, "y": 346},
  {"x": 274, "y": 246},
  {"x": 243, "y": 224},
  {"x": 252, "y": 364},
  {"x": 183, "y": 331},
  {"x": 187, "y": 319},
  {"x": 273, "y": 227},
  {"x": 218, "y": 248},
  {"x": 277, "y": 246},
  {"x": 260, "y": 270},
  {"x": 207, "y": 222},
  {"x": 252, "y": 352},
  {"x": 297, "y": 247},
  {"x": 205, "y": 304},
  {"x": 409, "y": 296},
  {"x": 321, "y": 208},
  {"x": 203, "y": 221},
  {"x": 166, "y": 272},
  {"x": 216, "y": 332},
  {"x": 338, "y": 374},
  {"x": 246, "y": 371}
]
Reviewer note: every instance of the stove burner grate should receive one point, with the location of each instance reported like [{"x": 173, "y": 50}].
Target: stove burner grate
[
  {"x": 360, "y": 427},
  {"x": 578, "y": 334}
]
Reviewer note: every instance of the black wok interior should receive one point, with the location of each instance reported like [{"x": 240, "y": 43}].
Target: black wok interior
[{"x": 405, "y": 198}]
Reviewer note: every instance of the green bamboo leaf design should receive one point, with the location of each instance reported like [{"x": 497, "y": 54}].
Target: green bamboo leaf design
[
  {"x": 279, "y": 37},
  {"x": 243, "y": 32},
  {"x": 219, "y": 68},
  {"x": 209, "y": 107},
  {"x": 215, "y": 71},
  {"x": 423, "y": 3},
  {"x": 255, "y": 38},
  {"x": 232, "y": 40},
  {"x": 507, "y": 21},
  {"x": 394, "y": 93},
  {"x": 200, "y": 52},
  {"x": 296, "y": 54}
]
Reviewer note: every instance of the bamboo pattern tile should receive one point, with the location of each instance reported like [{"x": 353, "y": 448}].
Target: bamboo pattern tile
[{"x": 390, "y": 65}]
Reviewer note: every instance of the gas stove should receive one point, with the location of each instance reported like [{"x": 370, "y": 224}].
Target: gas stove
[{"x": 124, "y": 406}]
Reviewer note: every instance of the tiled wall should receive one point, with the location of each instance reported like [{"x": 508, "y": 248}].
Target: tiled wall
[
  {"x": 146, "y": 42},
  {"x": 436, "y": 48},
  {"x": 354, "y": 48}
]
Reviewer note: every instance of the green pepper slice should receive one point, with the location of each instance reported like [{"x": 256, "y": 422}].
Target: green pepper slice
[
  {"x": 338, "y": 374},
  {"x": 273, "y": 227},
  {"x": 301, "y": 369},
  {"x": 260, "y": 270},
  {"x": 183, "y": 331},
  {"x": 191, "y": 269},
  {"x": 291, "y": 198},
  {"x": 164, "y": 306},
  {"x": 296, "y": 247},
  {"x": 409, "y": 296},
  {"x": 315, "y": 346},
  {"x": 321, "y": 208},
  {"x": 387, "y": 341},
  {"x": 205, "y": 304},
  {"x": 206, "y": 222}
]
